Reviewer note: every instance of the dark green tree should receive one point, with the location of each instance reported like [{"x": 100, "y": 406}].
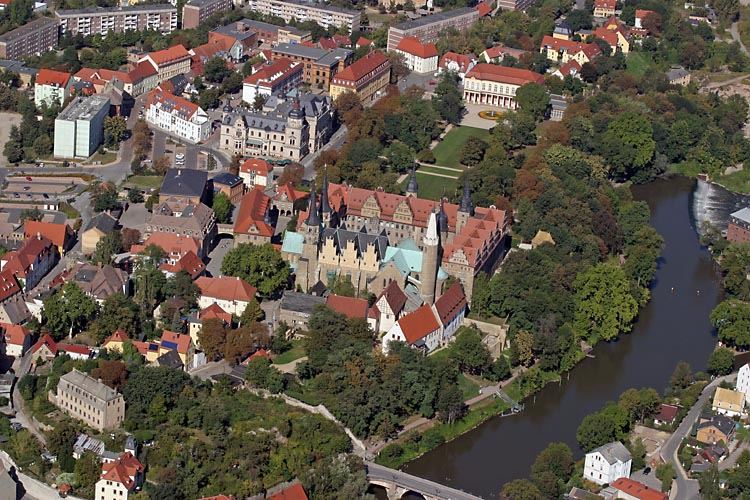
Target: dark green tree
[{"x": 259, "y": 265}]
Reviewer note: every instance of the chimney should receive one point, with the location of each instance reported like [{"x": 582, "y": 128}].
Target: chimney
[{"x": 38, "y": 235}]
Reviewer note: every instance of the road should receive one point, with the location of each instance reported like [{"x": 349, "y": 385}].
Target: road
[
  {"x": 22, "y": 368},
  {"x": 336, "y": 141},
  {"x": 35, "y": 490},
  {"x": 685, "y": 488},
  {"x": 377, "y": 472},
  {"x": 735, "y": 32}
]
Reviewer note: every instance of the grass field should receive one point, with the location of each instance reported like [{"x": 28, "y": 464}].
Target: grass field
[
  {"x": 432, "y": 187},
  {"x": 145, "y": 181},
  {"x": 638, "y": 63},
  {"x": 738, "y": 182},
  {"x": 295, "y": 352},
  {"x": 448, "y": 152},
  {"x": 468, "y": 387}
]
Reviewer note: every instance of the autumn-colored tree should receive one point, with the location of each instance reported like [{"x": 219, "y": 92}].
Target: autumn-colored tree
[
  {"x": 245, "y": 340},
  {"x": 161, "y": 165},
  {"x": 213, "y": 337},
  {"x": 112, "y": 373},
  {"x": 292, "y": 174},
  {"x": 130, "y": 237},
  {"x": 349, "y": 107},
  {"x": 234, "y": 166}
]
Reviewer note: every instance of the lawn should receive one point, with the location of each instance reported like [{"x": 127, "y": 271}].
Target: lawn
[
  {"x": 638, "y": 63},
  {"x": 448, "y": 152},
  {"x": 739, "y": 182},
  {"x": 104, "y": 158},
  {"x": 468, "y": 387},
  {"x": 296, "y": 352},
  {"x": 69, "y": 211},
  {"x": 432, "y": 188},
  {"x": 145, "y": 181}
]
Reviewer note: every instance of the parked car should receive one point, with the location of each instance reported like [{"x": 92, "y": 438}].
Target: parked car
[{"x": 16, "y": 426}]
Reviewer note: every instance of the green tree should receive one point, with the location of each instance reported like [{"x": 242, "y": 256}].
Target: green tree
[
  {"x": 556, "y": 458},
  {"x": 472, "y": 151},
  {"x": 469, "y": 352},
  {"x": 721, "y": 362},
  {"x": 118, "y": 312},
  {"x": 87, "y": 471},
  {"x": 216, "y": 70},
  {"x": 448, "y": 100},
  {"x": 114, "y": 130},
  {"x": 524, "y": 342},
  {"x": 709, "y": 484},
  {"x": 532, "y": 98},
  {"x": 209, "y": 99},
  {"x": 665, "y": 472},
  {"x": 638, "y": 452},
  {"x": 43, "y": 145},
  {"x": 261, "y": 374},
  {"x": 259, "y": 265},
  {"x": 450, "y": 404},
  {"x": 68, "y": 310},
  {"x": 732, "y": 320},
  {"x": 682, "y": 377},
  {"x": 521, "y": 489},
  {"x": 608, "y": 424},
  {"x": 400, "y": 156},
  {"x": 13, "y": 149},
  {"x": 149, "y": 285},
  {"x": 182, "y": 285},
  {"x": 222, "y": 208},
  {"x": 107, "y": 247},
  {"x": 251, "y": 313},
  {"x": 628, "y": 144},
  {"x": 604, "y": 304}
]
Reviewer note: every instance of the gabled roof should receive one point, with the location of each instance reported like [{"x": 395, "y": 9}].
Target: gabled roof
[
  {"x": 123, "y": 470},
  {"x": 293, "y": 491},
  {"x": 361, "y": 67},
  {"x": 643, "y": 13},
  {"x": 348, "y": 306},
  {"x": 173, "y": 104},
  {"x": 727, "y": 397},
  {"x": 227, "y": 288},
  {"x": 8, "y": 285},
  {"x": 570, "y": 68},
  {"x": 179, "y": 342},
  {"x": 451, "y": 303},
  {"x": 637, "y": 490},
  {"x": 20, "y": 261},
  {"x": 418, "y": 324},
  {"x": 52, "y": 77},
  {"x": 257, "y": 165},
  {"x": 502, "y": 74},
  {"x": 172, "y": 244},
  {"x": 395, "y": 297},
  {"x": 462, "y": 60},
  {"x": 184, "y": 181},
  {"x": 667, "y": 413},
  {"x": 723, "y": 423},
  {"x": 45, "y": 340},
  {"x": 613, "y": 452},
  {"x": 170, "y": 359},
  {"x": 189, "y": 262},
  {"x": 226, "y": 179},
  {"x": 103, "y": 222},
  {"x": 484, "y": 9},
  {"x": 117, "y": 336},
  {"x": 605, "y": 4},
  {"x": 15, "y": 334},
  {"x": 412, "y": 45},
  {"x": 251, "y": 218},
  {"x": 214, "y": 311},
  {"x": 170, "y": 55},
  {"x": 363, "y": 42},
  {"x": 56, "y": 233}
]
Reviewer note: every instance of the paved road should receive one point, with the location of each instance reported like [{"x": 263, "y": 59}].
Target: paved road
[
  {"x": 687, "y": 489},
  {"x": 35, "y": 490},
  {"x": 22, "y": 366},
  {"x": 336, "y": 141},
  {"x": 377, "y": 472}
]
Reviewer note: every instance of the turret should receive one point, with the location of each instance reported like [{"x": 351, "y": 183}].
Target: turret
[
  {"x": 465, "y": 208},
  {"x": 312, "y": 222},
  {"x": 442, "y": 221},
  {"x": 412, "y": 188},
  {"x": 325, "y": 206},
  {"x": 430, "y": 260}
]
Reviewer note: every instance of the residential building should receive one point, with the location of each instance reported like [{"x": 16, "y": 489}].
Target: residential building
[
  {"x": 629, "y": 489},
  {"x": 570, "y": 68},
  {"x": 641, "y": 15},
  {"x": 562, "y": 51},
  {"x": 319, "y": 65},
  {"x": 515, "y": 4},
  {"x": 102, "y": 20},
  {"x": 115, "y": 341},
  {"x": 89, "y": 400},
  {"x": 119, "y": 478},
  {"x": 254, "y": 172},
  {"x": 232, "y": 294},
  {"x": 273, "y": 78},
  {"x": 52, "y": 87},
  {"x": 716, "y": 429},
  {"x": 95, "y": 230},
  {"x": 418, "y": 57},
  {"x": 263, "y": 32},
  {"x": 16, "y": 339},
  {"x": 353, "y": 308},
  {"x": 496, "y": 86},
  {"x": 141, "y": 78},
  {"x": 189, "y": 263},
  {"x": 32, "y": 39},
  {"x": 428, "y": 28},
  {"x": 79, "y": 129},
  {"x": 367, "y": 77},
  {"x": 607, "y": 463},
  {"x": 47, "y": 349},
  {"x": 12, "y": 304},
  {"x": 195, "y": 322},
  {"x": 180, "y": 343},
  {"x": 460, "y": 64},
  {"x": 230, "y": 185},
  {"x": 194, "y": 221},
  {"x": 169, "y": 62},
  {"x": 98, "y": 281},
  {"x": 616, "y": 35},
  {"x": 175, "y": 246},
  {"x": 253, "y": 223},
  {"x": 604, "y": 8},
  {"x": 291, "y": 490},
  {"x": 25, "y": 73},
  {"x": 30, "y": 263},
  {"x": 497, "y": 53},
  {"x": 728, "y": 402},
  {"x": 196, "y": 12},
  {"x": 743, "y": 381},
  {"x": 236, "y": 40},
  {"x": 667, "y": 414},
  {"x": 678, "y": 76},
  {"x": 296, "y": 308},
  {"x": 285, "y": 128},
  {"x": 390, "y": 305},
  {"x": 60, "y": 234},
  {"x": 177, "y": 116},
  {"x": 300, "y": 10},
  {"x": 182, "y": 187}
]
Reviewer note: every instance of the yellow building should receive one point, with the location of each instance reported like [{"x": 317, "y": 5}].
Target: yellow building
[
  {"x": 367, "y": 77},
  {"x": 562, "y": 51},
  {"x": 728, "y": 402},
  {"x": 604, "y": 8}
]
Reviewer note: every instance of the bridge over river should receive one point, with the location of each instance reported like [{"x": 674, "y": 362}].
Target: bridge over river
[{"x": 397, "y": 483}]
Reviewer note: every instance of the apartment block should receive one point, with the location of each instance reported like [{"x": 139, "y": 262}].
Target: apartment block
[
  {"x": 325, "y": 15},
  {"x": 89, "y": 400},
  {"x": 79, "y": 129},
  {"x": 31, "y": 39},
  {"x": 428, "y": 29},
  {"x": 195, "y": 12},
  {"x": 367, "y": 77},
  {"x": 264, "y": 32},
  {"x": 100, "y": 20},
  {"x": 320, "y": 66},
  {"x": 515, "y": 4}
]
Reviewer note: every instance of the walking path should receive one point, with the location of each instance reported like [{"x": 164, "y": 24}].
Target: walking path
[
  {"x": 33, "y": 488},
  {"x": 735, "y": 32}
]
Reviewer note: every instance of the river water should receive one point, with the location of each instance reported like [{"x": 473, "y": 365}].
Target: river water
[{"x": 673, "y": 326}]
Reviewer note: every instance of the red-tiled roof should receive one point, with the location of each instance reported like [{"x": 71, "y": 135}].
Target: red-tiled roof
[
  {"x": 257, "y": 165},
  {"x": 180, "y": 341},
  {"x": 667, "y": 413},
  {"x": 451, "y": 303},
  {"x": 293, "y": 492},
  {"x": 123, "y": 470},
  {"x": 412, "y": 45},
  {"x": 605, "y": 4},
  {"x": 227, "y": 288},
  {"x": 117, "y": 336},
  {"x": 74, "y": 348},
  {"x": 328, "y": 44},
  {"x": 141, "y": 70},
  {"x": 52, "y": 77},
  {"x": 643, "y": 13},
  {"x": 170, "y": 55},
  {"x": 499, "y": 50},
  {"x": 462, "y": 60},
  {"x": 348, "y": 306},
  {"x": 214, "y": 311},
  {"x": 570, "y": 67},
  {"x": 260, "y": 353},
  {"x": 418, "y": 324},
  {"x": 189, "y": 262},
  {"x": 395, "y": 297},
  {"x": 278, "y": 70},
  {"x": 361, "y": 67},
  {"x": 172, "y": 103},
  {"x": 8, "y": 285},
  {"x": 608, "y": 36},
  {"x": 250, "y": 219},
  {"x": 570, "y": 46},
  {"x": 56, "y": 233},
  {"x": 638, "y": 490},
  {"x": 19, "y": 261},
  {"x": 174, "y": 245},
  {"x": 363, "y": 42},
  {"x": 287, "y": 192},
  {"x": 484, "y": 9},
  {"x": 502, "y": 74},
  {"x": 45, "y": 340},
  {"x": 15, "y": 334}
]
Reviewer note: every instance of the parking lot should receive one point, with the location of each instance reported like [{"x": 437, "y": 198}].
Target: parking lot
[{"x": 42, "y": 188}]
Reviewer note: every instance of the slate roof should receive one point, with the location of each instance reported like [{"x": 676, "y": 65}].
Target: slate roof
[
  {"x": 300, "y": 302},
  {"x": 170, "y": 359},
  {"x": 184, "y": 182},
  {"x": 613, "y": 452},
  {"x": 103, "y": 222},
  {"x": 743, "y": 214},
  {"x": 451, "y": 303},
  {"x": 362, "y": 239},
  {"x": 91, "y": 386},
  {"x": 722, "y": 423},
  {"x": 227, "y": 179}
]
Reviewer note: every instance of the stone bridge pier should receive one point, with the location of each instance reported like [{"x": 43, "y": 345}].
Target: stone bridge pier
[{"x": 396, "y": 492}]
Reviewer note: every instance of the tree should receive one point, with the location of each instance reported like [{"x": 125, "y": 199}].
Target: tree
[
  {"x": 472, "y": 151},
  {"x": 682, "y": 376},
  {"x": 118, "y": 312},
  {"x": 251, "y": 313},
  {"x": 721, "y": 362},
  {"x": 68, "y": 310},
  {"x": 728, "y": 10},
  {"x": 135, "y": 196},
  {"x": 60, "y": 443},
  {"x": 448, "y": 100},
  {"x": 532, "y": 98},
  {"x": 521, "y": 489},
  {"x": 628, "y": 144},
  {"x": 161, "y": 165},
  {"x": 104, "y": 197},
  {"x": 114, "y": 130},
  {"x": 579, "y": 19},
  {"x": 182, "y": 285},
  {"x": 348, "y": 107},
  {"x": 144, "y": 385},
  {"x": 469, "y": 352},
  {"x": 261, "y": 374},
  {"x": 523, "y": 342},
  {"x": 400, "y": 156},
  {"x": 112, "y": 373},
  {"x": 556, "y": 458},
  {"x": 212, "y": 337},
  {"x": 216, "y": 70},
  {"x": 607, "y": 425},
  {"x": 259, "y": 265},
  {"x": 13, "y": 149},
  {"x": 43, "y": 145},
  {"x": 222, "y": 208},
  {"x": 604, "y": 304},
  {"x": 149, "y": 285},
  {"x": 639, "y": 403},
  {"x": 31, "y": 214},
  {"x": 638, "y": 452},
  {"x": 209, "y": 99},
  {"x": 107, "y": 247},
  {"x": 244, "y": 340},
  {"x": 450, "y": 404},
  {"x": 709, "y": 484},
  {"x": 259, "y": 101},
  {"x": 87, "y": 471},
  {"x": 665, "y": 472}
]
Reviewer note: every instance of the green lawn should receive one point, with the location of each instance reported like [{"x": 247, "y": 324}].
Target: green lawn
[
  {"x": 468, "y": 387},
  {"x": 69, "y": 211},
  {"x": 448, "y": 152},
  {"x": 296, "y": 352},
  {"x": 638, "y": 63},
  {"x": 738, "y": 182},
  {"x": 432, "y": 188},
  {"x": 104, "y": 158},
  {"x": 145, "y": 181},
  {"x": 440, "y": 171}
]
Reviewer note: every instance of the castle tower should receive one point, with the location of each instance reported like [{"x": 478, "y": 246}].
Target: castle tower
[
  {"x": 296, "y": 129},
  {"x": 412, "y": 188},
  {"x": 465, "y": 208},
  {"x": 325, "y": 206},
  {"x": 430, "y": 260},
  {"x": 311, "y": 226},
  {"x": 442, "y": 221}
]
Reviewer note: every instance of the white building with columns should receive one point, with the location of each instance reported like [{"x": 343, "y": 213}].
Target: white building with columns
[{"x": 496, "y": 86}]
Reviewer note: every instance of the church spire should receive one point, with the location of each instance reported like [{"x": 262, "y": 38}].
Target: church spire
[
  {"x": 412, "y": 188},
  {"x": 466, "y": 204},
  {"x": 313, "y": 218},
  {"x": 431, "y": 238},
  {"x": 325, "y": 206}
]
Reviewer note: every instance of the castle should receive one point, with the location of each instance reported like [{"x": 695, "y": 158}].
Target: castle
[{"x": 372, "y": 238}]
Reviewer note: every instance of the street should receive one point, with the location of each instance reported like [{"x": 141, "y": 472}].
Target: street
[
  {"x": 22, "y": 366},
  {"x": 34, "y": 489}
]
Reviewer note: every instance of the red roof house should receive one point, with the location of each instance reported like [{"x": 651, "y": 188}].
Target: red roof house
[
  {"x": 348, "y": 306},
  {"x": 287, "y": 491},
  {"x": 59, "y": 234},
  {"x": 230, "y": 293},
  {"x": 637, "y": 490}
]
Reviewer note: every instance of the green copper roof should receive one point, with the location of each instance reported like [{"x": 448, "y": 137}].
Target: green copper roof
[{"x": 292, "y": 242}]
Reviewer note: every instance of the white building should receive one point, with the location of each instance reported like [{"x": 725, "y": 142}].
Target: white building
[
  {"x": 496, "y": 86},
  {"x": 743, "y": 381},
  {"x": 278, "y": 77},
  {"x": 177, "y": 116},
  {"x": 51, "y": 87},
  {"x": 119, "y": 478},
  {"x": 391, "y": 305},
  {"x": 231, "y": 294},
  {"x": 418, "y": 57},
  {"x": 255, "y": 172},
  {"x": 607, "y": 463},
  {"x": 458, "y": 63},
  {"x": 79, "y": 129}
]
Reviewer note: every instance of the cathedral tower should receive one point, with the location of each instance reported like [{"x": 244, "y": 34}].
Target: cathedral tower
[{"x": 430, "y": 260}]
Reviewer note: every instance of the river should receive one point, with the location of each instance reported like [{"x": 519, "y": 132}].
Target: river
[{"x": 673, "y": 326}]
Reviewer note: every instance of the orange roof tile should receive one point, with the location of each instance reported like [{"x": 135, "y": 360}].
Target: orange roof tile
[
  {"x": 189, "y": 262},
  {"x": 174, "y": 245},
  {"x": 463, "y": 60},
  {"x": 52, "y": 77},
  {"x": 570, "y": 46},
  {"x": 605, "y": 4},
  {"x": 168, "y": 56},
  {"x": 348, "y": 306},
  {"x": 257, "y": 165},
  {"x": 15, "y": 334},
  {"x": 214, "y": 311},
  {"x": 176, "y": 341},
  {"x": 418, "y": 324},
  {"x": 117, "y": 336},
  {"x": 8, "y": 285},
  {"x": 57, "y": 233},
  {"x": 484, "y": 9},
  {"x": 502, "y": 74},
  {"x": 638, "y": 490},
  {"x": 227, "y": 288},
  {"x": 412, "y": 45},
  {"x": 363, "y": 42},
  {"x": 251, "y": 216},
  {"x": 362, "y": 67},
  {"x": 451, "y": 303},
  {"x": 293, "y": 492},
  {"x": 174, "y": 103}
]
